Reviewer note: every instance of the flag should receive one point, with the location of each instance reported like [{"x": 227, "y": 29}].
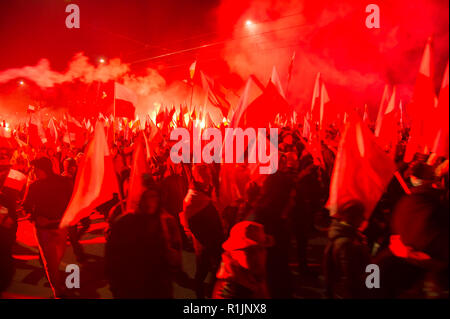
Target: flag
[
  {"x": 362, "y": 170},
  {"x": 76, "y": 132},
  {"x": 96, "y": 180},
  {"x": 215, "y": 93},
  {"x": 276, "y": 81},
  {"x": 36, "y": 131},
  {"x": 315, "y": 103},
  {"x": 192, "y": 70},
  {"x": 422, "y": 108},
  {"x": 52, "y": 132},
  {"x": 125, "y": 101},
  {"x": 366, "y": 119},
  {"x": 291, "y": 67},
  {"x": 382, "y": 109},
  {"x": 324, "y": 109},
  {"x": 139, "y": 169},
  {"x": 31, "y": 109},
  {"x": 264, "y": 108},
  {"x": 440, "y": 145},
  {"x": 15, "y": 180},
  {"x": 388, "y": 133},
  {"x": 306, "y": 127}
]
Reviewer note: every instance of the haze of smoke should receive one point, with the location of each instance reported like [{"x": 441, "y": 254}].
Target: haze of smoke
[
  {"x": 79, "y": 69},
  {"x": 330, "y": 37}
]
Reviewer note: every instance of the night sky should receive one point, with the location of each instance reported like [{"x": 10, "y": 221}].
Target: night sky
[{"x": 327, "y": 36}]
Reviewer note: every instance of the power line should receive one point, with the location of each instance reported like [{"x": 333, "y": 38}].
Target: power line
[
  {"x": 214, "y": 44},
  {"x": 216, "y": 32}
]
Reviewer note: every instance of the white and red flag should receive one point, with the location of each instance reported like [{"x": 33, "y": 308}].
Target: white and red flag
[
  {"x": 388, "y": 135},
  {"x": 440, "y": 145},
  {"x": 96, "y": 180},
  {"x": 125, "y": 101},
  {"x": 15, "y": 180},
  {"x": 139, "y": 169},
  {"x": 36, "y": 131},
  {"x": 362, "y": 170},
  {"x": 422, "y": 108},
  {"x": 76, "y": 131},
  {"x": 381, "y": 110}
]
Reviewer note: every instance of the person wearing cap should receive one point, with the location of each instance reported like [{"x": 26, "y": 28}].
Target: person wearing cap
[
  {"x": 242, "y": 272},
  {"x": 346, "y": 255},
  {"x": 46, "y": 202}
]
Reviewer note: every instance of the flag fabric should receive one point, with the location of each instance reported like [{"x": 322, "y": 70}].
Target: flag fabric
[
  {"x": 366, "y": 118},
  {"x": 276, "y": 81},
  {"x": 291, "y": 67},
  {"x": 306, "y": 127},
  {"x": 95, "y": 182},
  {"x": 15, "y": 180},
  {"x": 125, "y": 101},
  {"x": 215, "y": 94},
  {"x": 264, "y": 108},
  {"x": 382, "y": 109},
  {"x": 315, "y": 103},
  {"x": 362, "y": 170},
  {"x": 388, "y": 133},
  {"x": 192, "y": 70},
  {"x": 36, "y": 131},
  {"x": 76, "y": 132},
  {"x": 52, "y": 132},
  {"x": 422, "y": 108},
  {"x": 441, "y": 142},
  {"x": 139, "y": 168},
  {"x": 31, "y": 109},
  {"x": 325, "y": 112}
]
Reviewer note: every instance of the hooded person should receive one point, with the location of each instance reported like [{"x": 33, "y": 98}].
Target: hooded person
[
  {"x": 417, "y": 256},
  {"x": 272, "y": 208},
  {"x": 242, "y": 272},
  {"x": 202, "y": 219},
  {"x": 143, "y": 251},
  {"x": 346, "y": 255}
]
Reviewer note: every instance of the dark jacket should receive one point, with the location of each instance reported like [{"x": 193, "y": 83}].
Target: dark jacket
[
  {"x": 138, "y": 257},
  {"x": 47, "y": 200},
  {"x": 422, "y": 221},
  {"x": 345, "y": 260}
]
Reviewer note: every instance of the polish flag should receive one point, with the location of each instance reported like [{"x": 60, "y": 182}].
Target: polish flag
[
  {"x": 362, "y": 170},
  {"x": 276, "y": 81},
  {"x": 388, "y": 135},
  {"x": 126, "y": 101},
  {"x": 52, "y": 132},
  {"x": 440, "y": 145},
  {"x": 36, "y": 131},
  {"x": 422, "y": 108},
  {"x": 15, "y": 180},
  {"x": 139, "y": 168},
  {"x": 382, "y": 109},
  {"x": 95, "y": 182}
]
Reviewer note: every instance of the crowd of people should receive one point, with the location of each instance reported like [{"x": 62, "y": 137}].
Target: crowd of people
[{"x": 245, "y": 245}]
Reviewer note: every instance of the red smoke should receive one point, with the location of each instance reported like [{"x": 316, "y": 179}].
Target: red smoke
[{"x": 331, "y": 37}]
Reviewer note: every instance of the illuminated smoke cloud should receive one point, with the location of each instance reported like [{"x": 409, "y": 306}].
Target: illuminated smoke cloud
[
  {"x": 330, "y": 37},
  {"x": 79, "y": 69}
]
